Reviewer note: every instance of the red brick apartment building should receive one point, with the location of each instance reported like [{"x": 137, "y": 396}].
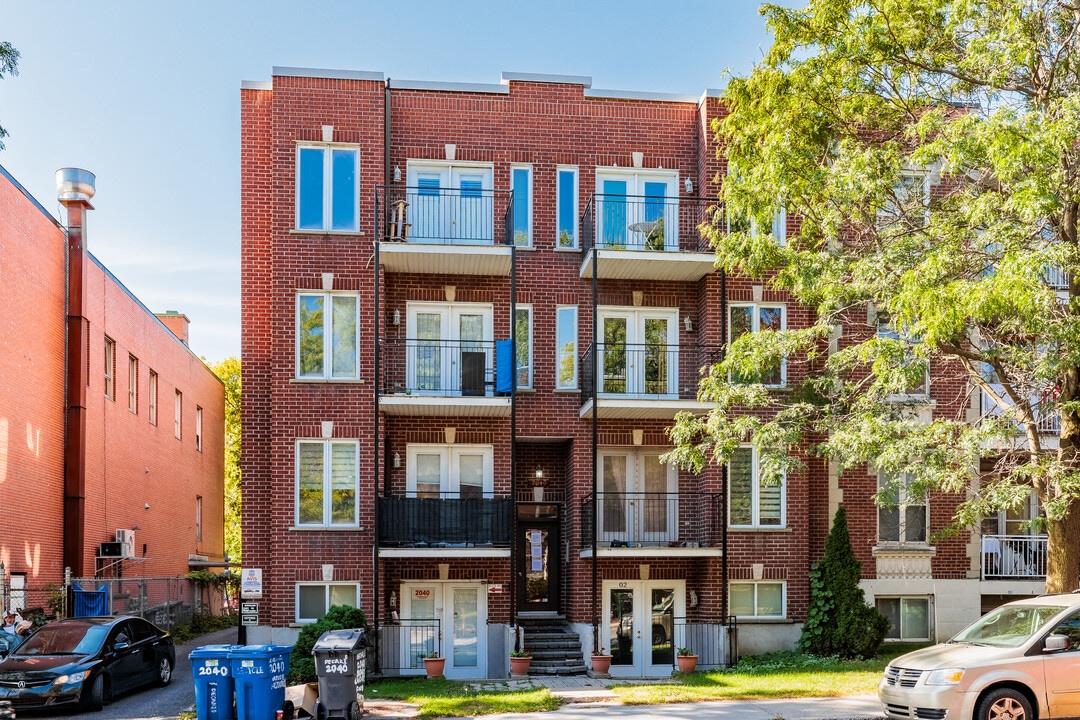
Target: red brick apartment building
[
  {"x": 109, "y": 423},
  {"x": 470, "y": 312}
]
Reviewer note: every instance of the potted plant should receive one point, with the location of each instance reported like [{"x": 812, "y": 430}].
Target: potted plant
[
  {"x": 601, "y": 661},
  {"x": 434, "y": 664},
  {"x": 519, "y": 662},
  {"x": 686, "y": 659}
]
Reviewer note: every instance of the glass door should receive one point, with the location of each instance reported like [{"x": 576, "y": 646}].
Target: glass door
[
  {"x": 639, "y": 356},
  {"x": 642, "y": 634},
  {"x": 472, "y": 215},
  {"x": 463, "y": 657},
  {"x": 539, "y": 563},
  {"x": 449, "y": 349},
  {"x": 639, "y": 498}
]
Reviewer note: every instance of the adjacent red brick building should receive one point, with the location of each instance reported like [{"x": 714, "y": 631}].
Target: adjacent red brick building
[{"x": 108, "y": 421}]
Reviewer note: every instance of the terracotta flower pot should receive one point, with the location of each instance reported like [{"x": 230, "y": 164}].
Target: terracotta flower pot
[
  {"x": 601, "y": 663},
  {"x": 687, "y": 663},
  {"x": 434, "y": 666},
  {"x": 519, "y": 665}
]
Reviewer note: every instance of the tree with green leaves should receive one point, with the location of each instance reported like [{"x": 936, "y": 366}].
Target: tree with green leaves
[
  {"x": 9, "y": 65},
  {"x": 931, "y": 151},
  {"x": 228, "y": 371}
]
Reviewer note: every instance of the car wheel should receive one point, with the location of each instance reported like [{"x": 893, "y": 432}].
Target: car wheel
[
  {"x": 164, "y": 672},
  {"x": 1005, "y": 704},
  {"x": 659, "y": 637},
  {"x": 95, "y": 698}
]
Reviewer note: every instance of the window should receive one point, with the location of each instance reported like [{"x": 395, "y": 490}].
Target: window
[
  {"x": 759, "y": 318},
  {"x": 752, "y": 503},
  {"x": 151, "y": 408},
  {"x": 523, "y": 355},
  {"x": 637, "y": 210},
  {"x": 17, "y": 591},
  {"x": 907, "y": 204},
  {"x": 901, "y": 517},
  {"x": 779, "y": 227},
  {"x": 110, "y": 368},
  {"x": 314, "y": 599},
  {"x": 456, "y": 471},
  {"x": 638, "y": 497},
  {"x": 198, "y": 428},
  {"x": 909, "y": 617},
  {"x": 327, "y": 480},
  {"x": 639, "y": 353},
  {"x": 566, "y": 359},
  {"x": 449, "y": 349},
  {"x": 566, "y": 210},
  {"x": 198, "y": 518},
  {"x": 133, "y": 384},
  {"x": 177, "y": 412},
  {"x": 326, "y": 342},
  {"x": 919, "y": 386},
  {"x": 451, "y": 203},
  {"x": 327, "y": 191},
  {"x": 521, "y": 184},
  {"x": 756, "y": 599}
]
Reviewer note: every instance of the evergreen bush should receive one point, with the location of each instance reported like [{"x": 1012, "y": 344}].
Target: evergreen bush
[{"x": 301, "y": 661}]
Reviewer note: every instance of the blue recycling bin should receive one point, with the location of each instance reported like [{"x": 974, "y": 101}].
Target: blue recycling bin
[
  {"x": 211, "y": 671},
  {"x": 259, "y": 675}
]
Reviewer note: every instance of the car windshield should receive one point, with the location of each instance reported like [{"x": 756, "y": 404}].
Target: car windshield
[
  {"x": 66, "y": 639},
  {"x": 1009, "y": 625}
]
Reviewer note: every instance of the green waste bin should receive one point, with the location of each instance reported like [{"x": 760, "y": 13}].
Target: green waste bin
[{"x": 340, "y": 664}]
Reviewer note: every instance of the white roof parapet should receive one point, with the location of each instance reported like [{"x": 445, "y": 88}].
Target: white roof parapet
[
  {"x": 328, "y": 74},
  {"x": 256, "y": 85},
  {"x": 632, "y": 95},
  {"x": 449, "y": 86},
  {"x": 508, "y": 77}
]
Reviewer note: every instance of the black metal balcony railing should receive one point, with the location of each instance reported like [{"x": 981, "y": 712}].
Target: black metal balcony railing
[
  {"x": 1010, "y": 557},
  {"x": 404, "y": 643},
  {"x": 630, "y": 519},
  {"x": 446, "y": 368},
  {"x": 645, "y": 371},
  {"x": 445, "y": 216},
  {"x": 638, "y": 222},
  {"x": 445, "y": 521}
]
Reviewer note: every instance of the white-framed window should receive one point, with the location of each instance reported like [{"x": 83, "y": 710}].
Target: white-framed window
[
  {"x": 450, "y": 348},
  {"x": 761, "y": 599},
  {"x": 178, "y": 407},
  {"x": 110, "y": 368},
  {"x": 638, "y": 497},
  {"x": 909, "y": 617},
  {"x": 902, "y": 518},
  {"x": 779, "y": 227},
  {"x": 637, "y": 209},
  {"x": 314, "y": 599},
  {"x": 566, "y": 206},
  {"x": 908, "y": 202},
  {"x": 919, "y": 387},
  {"x": 327, "y": 482},
  {"x": 758, "y": 317},
  {"x": 327, "y": 188},
  {"x": 566, "y": 340},
  {"x": 198, "y": 428},
  {"x": 327, "y": 341},
  {"x": 523, "y": 354},
  {"x": 133, "y": 384},
  {"x": 752, "y": 503},
  {"x": 450, "y": 202},
  {"x": 521, "y": 184},
  {"x": 639, "y": 353},
  {"x": 198, "y": 518},
  {"x": 434, "y": 471},
  {"x": 151, "y": 392}
]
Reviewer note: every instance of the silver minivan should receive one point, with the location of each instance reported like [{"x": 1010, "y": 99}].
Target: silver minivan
[{"x": 1018, "y": 662}]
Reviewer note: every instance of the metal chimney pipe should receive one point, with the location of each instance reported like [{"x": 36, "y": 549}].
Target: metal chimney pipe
[{"x": 74, "y": 188}]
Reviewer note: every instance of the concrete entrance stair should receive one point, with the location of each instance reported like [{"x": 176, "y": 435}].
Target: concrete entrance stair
[{"x": 555, "y": 649}]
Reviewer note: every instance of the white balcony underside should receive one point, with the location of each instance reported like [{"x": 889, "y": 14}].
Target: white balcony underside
[
  {"x": 635, "y": 409},
  {"x": 428, "y": 406},
  {"x": 648, "y": 265},
  {"x": 652, "y": 552},
  {"x": 399, "y": 257},
  {"x": 450, "y": 552}
]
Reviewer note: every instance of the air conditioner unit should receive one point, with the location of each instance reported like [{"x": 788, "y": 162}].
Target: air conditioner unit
[{"x": 126, "y": 538}]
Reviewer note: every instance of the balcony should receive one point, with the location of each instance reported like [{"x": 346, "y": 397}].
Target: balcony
[
  {"x": 653, "y": 524},
  {"x": 644, "y": 380},
  {"x": 1013, "y": 557},
  {"x": 1047, "y": 423},
  {"x": 445, "y": 378},
  {"x": 453, "y": 231},
  {"x": 445, "y": 526},
  {"x": 645, "y": 238}
]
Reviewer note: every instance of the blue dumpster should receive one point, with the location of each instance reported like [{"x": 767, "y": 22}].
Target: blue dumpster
[
  {"x": 213, "y": 681},
  {"x": 259, "y": 673}
]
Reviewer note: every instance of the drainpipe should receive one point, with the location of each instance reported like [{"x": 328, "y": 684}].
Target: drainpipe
[
  {"x": 74, "y": 188},
  {"x": 513, "y": 445},
  {"x": 595, "y": 439},
  {"x": 723, "y": 468}
]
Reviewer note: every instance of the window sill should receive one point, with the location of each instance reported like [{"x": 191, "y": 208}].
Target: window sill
[
  {"x": 752, "y": 620},
  {"x": 745, "y": 529},
  {"x": 568, "y": 250},
  {"x": 567, "y": 391},
  {"x": 917, "y": 399},
  {"x": 910, "y": 549},
  {"x": 327, "y": 381},
  {"x": 327, "y": 528},
  {"x": 342, "y": 233}
]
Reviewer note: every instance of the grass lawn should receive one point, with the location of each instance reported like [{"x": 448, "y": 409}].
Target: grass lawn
[{"x": 447, "y": 698}]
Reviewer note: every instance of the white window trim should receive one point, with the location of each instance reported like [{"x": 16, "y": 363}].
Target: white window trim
[
  {"x": 133, "y": 384},
  {"x": 755, "y": 584},
  {"x": 450, "y": 480},
  {"x": 198, "y": 429},
  {"x": 152, "y": 388},
  {"x": 326, "y": 586},
  {"x": 559, "y": 169},
  {"x": 637, "y": 316},
  {"x": 574, "y": 381},
  {"x": 328, "y": 338},
  {"x": 178, "y": 414},
  {"x": 328, "y": 193},
  {"x": 929, "y": 616},
  {"x": 529, "y": 213},
  {"x": 755, "y": 496},
  {"x": 756, "y": 327},
  {"x": 638, "y": 177},
  {"x": 901, "y": 508},
  {"x": 530, "y": 364},
  {"x": 884, "y": 331},
  {"x": 327, "y": 484},
  {"x": 198, "y": 517},
  {"x": 110, "y": 368}
]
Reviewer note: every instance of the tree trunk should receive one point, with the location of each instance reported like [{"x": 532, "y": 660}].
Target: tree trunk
[{"x": 1063, "y": 541}]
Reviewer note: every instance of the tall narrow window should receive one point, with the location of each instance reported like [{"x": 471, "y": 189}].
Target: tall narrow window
[
  {"x": 327, "y": 190},
  {"x": 566, "y": 211},
  {"x": 523, "y": 354},
  {"x": 110, "y": 368},
  {"x": 151, "y": 391},
  {"x": 327, "y": 479},
  {"x": 198, "y": 428},
  {"x": 177, "y": 412},
  {"x": 759, "y": 318},
  {"x": 752, "y": 503},
  {"x": 133, "y": 384},
  {"x": 566, "y": 333},
  {"x": 198, "y": 518},
  {"x": 326, "y": 342},
  {"x": 901, "y": 515},
  {"x": 521, "y": 182}
]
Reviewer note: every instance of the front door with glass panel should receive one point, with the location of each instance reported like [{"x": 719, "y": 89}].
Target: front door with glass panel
[
  {"x": 641, "y": 632},
  {"x": 451, "y": 619},
  {"x": 449, "y": 349},
  {"x": 538, "y": 564},
  {"x": 639, "y": 355},
  {"x": 637, "y": 211},
  {"x": 450, "y": 204},
  {"x": 638, "y": 500}
]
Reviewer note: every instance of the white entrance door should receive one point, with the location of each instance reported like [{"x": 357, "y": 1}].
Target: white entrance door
[
  {"x": 445, "y": 341},
  {"x": 461, "y": 637},
  {"x": 639, "y": 501},
  {"x": 640, "y": 354},
  {"x": 450, "y": 204},
  {"x": 641, "y": 630}
]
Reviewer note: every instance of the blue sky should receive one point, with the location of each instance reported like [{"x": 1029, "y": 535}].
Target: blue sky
[{"x": 145, "y": 94}]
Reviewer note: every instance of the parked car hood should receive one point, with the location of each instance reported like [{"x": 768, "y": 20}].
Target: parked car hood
[
  {"x": 16, "y": 664},
  {"x": 952, "y": 655}
]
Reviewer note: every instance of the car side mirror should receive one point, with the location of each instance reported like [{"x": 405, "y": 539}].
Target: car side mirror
[
  {"x": 1055, "y": 643},
  {"x": 120, "y": 645}
]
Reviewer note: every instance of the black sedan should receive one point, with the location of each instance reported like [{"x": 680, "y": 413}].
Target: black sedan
[{"x": 86, "y": 661}]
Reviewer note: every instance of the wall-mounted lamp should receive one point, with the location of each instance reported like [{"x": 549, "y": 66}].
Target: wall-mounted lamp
[
  {"x": 688, "y": 324},
  {"x": 397, "y": 317},
  {"x": 397, "y": 174},
  {"x": 397, "y": 460},
  {"x": 136, "y": 528},
  {"x": 539, "y": 473},
  {"x": 146, "y": 506},
  {"x": 688, "y": 184}
]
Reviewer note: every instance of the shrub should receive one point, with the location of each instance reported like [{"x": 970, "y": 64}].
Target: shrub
[{"x": 301, "y": 661}]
